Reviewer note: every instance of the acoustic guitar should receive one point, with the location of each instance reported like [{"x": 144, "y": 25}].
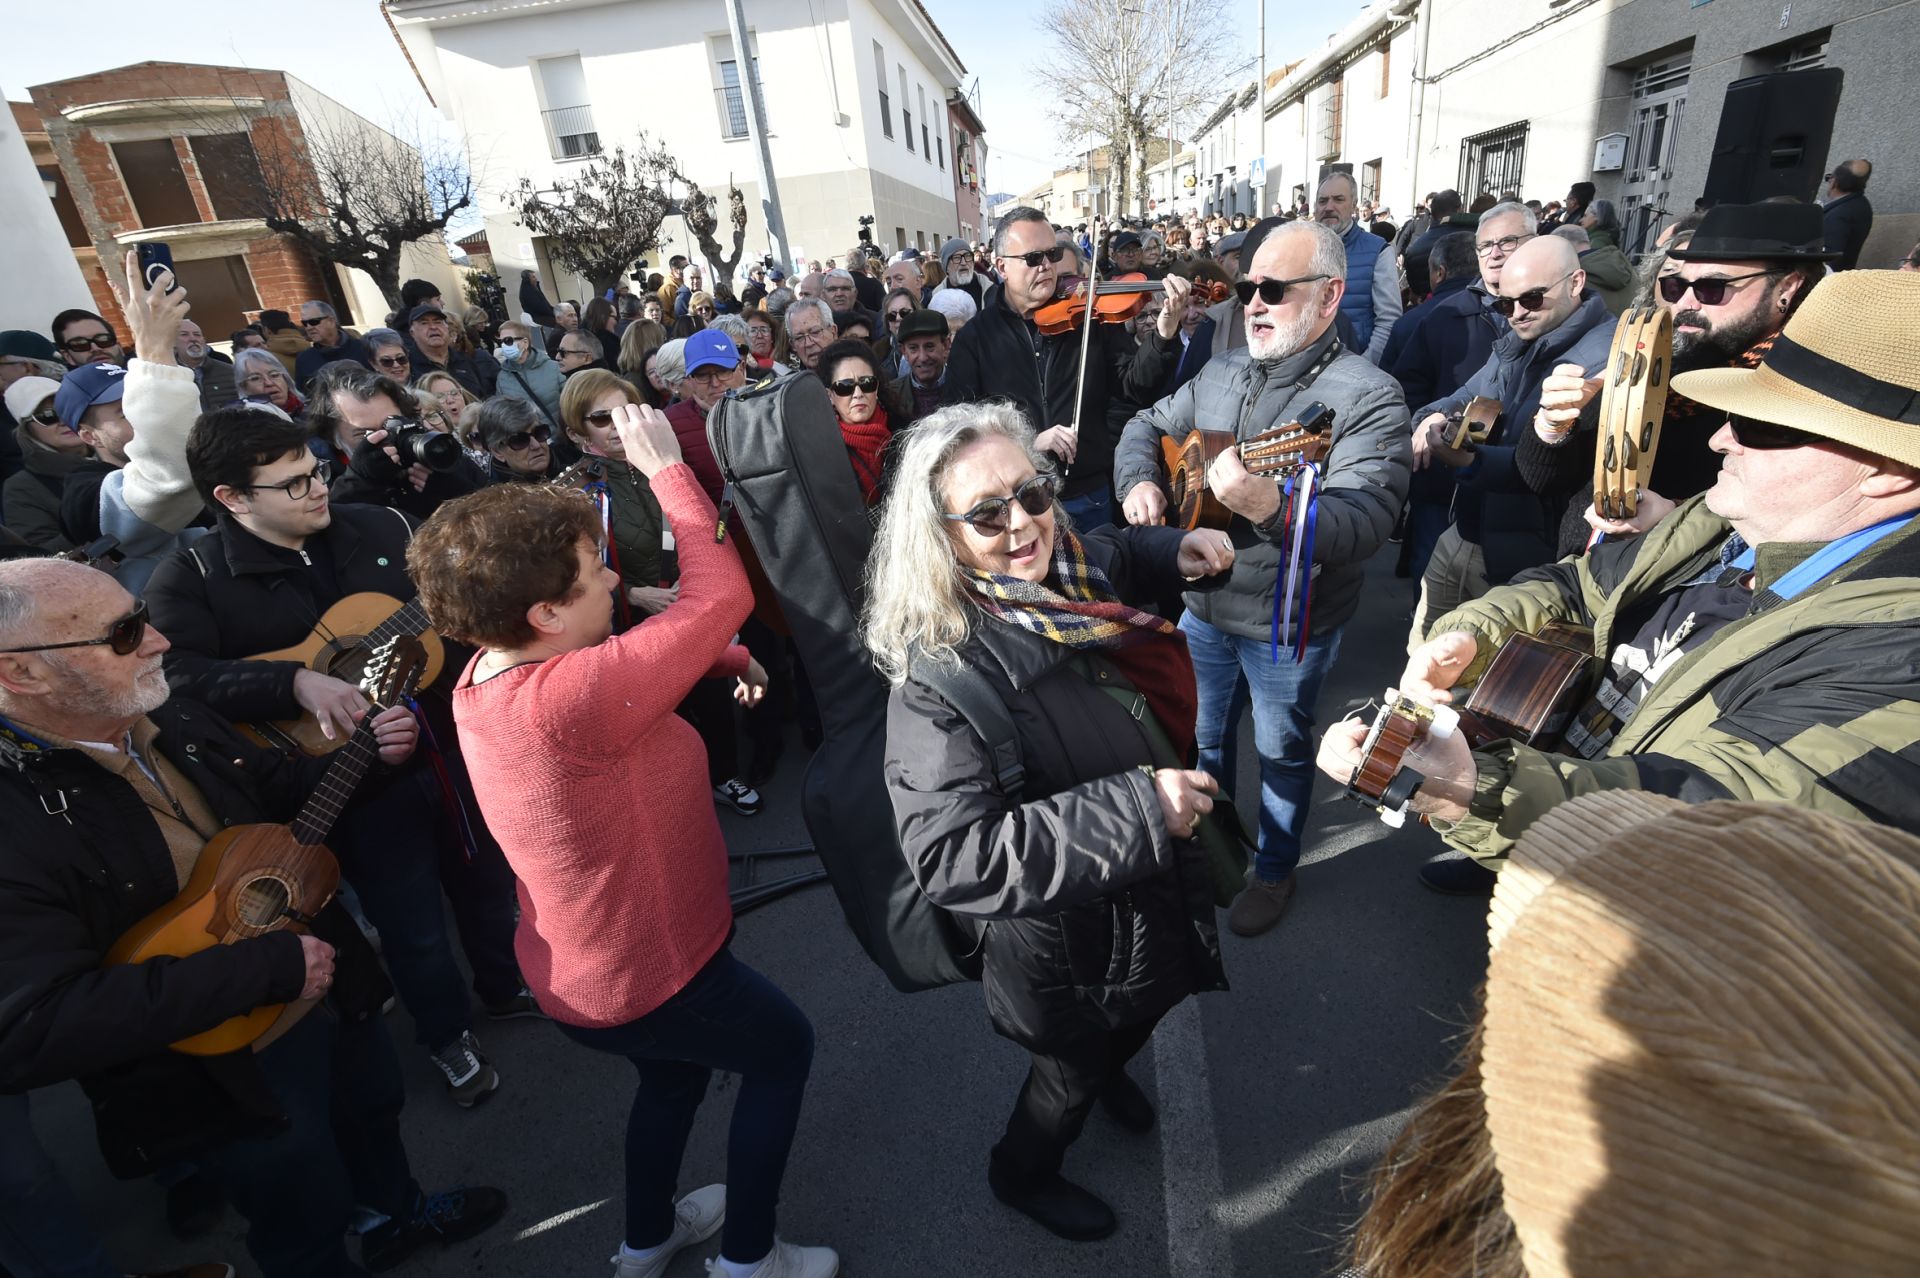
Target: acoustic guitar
[
  {"x": 1278, "y": 452},
  {"x": 255, "y": 879},
  {"x": 1530, "y": 692},
  {"x": 1633, "y": 403},
  {"x": 357, "y": 624}
]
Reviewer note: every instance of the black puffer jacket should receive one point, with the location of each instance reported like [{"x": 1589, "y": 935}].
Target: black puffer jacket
[
  {"x": 1095, "y": 917},
  {"x": 71, "y": 883}
]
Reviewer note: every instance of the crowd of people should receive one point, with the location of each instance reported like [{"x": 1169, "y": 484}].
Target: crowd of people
[{"x": 1068, "y": 677}]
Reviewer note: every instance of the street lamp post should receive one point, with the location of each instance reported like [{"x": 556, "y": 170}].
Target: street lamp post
[{"x": 757, "y": 132}]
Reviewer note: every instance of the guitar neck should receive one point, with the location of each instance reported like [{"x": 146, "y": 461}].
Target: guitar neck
[
  {"x": 343, "y": 776},
  {"x": 410, "y": 619}
]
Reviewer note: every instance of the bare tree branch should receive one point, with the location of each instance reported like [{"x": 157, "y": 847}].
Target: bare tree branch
[
  {"x": 698, "y": 208},
  {"x": 1120, "y": 69},
  {"x": 599, "y": 222}
]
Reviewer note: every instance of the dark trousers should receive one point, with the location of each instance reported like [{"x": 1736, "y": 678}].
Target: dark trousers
[
  {"x": 1054, "y": 1102},
  {"x": 728, "y": 1017},
  {"x": 389, "y": 850},
  {"x": 709, "y": 708},
  {"x": 480, "y": 888},
  {"x": 340, "y": 1088}
]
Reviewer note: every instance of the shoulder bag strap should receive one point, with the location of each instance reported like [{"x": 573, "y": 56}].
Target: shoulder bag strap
[{"x": 967, "y": 690}]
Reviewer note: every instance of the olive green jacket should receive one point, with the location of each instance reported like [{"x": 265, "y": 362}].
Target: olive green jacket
[{"x": 1813, "y": 701}]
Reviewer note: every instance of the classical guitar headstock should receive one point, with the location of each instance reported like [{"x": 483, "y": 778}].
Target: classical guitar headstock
[
  {"x": 589, "y": 470},
  {"x": 394, "y": 670},
  {"x": 1379, "y": 779},
  {"x": 1288, "y": 447}
]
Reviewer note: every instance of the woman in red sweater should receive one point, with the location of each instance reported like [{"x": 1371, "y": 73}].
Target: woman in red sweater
[{"x": 597, "y": 792}]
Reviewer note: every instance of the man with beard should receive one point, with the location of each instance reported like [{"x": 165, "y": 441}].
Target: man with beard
[
  {"x": 1731, "y": 288},
  {"x": 213, "y": 373},
  {"x": 1292, "y": 358},
  {"x": 956, "y": 261},
  {"x": 1372, "y": 300}
]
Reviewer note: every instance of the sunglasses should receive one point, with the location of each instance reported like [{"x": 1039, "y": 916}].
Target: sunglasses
[
  {"x": 602, "y": 417},
  {"x": 123, "y": 636},
  {"x": 1768, "y": 436},
  {"x": 848, "y": 385},
  {"x": 1531, "y": 300},
  {"x": 390, "y": 361},
  {"x": 1708, "y": 292},
  {"x": 313, "y": 323},
  {"x": 1271, "y": 291},
  {"x": 520, "y": 440},
  {"x": 45, "y": 416},
  {"x": 991, "y": 517},
  {"x": 99, "y": 342},
  {"x": 894, "y": 317},
  {"x": 1038, "y": 256}
]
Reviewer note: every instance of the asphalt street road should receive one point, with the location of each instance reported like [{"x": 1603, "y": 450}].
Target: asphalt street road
[{"x": 1276, "y": 1097}]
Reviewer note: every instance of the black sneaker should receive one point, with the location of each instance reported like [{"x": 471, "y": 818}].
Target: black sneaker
[
  {"x": 1458, "y": 876},
  {"x": 470, "y": 1079},
  {"x": 739, "y": 796},
  {"x": 520, "y": 1007},
  {"x": 450, "y": 1217}
]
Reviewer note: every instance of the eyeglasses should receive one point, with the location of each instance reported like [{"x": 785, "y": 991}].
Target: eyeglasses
[
  {"x": 1271, "y": 291},
  {"x": 300, "y": 486},
  {"x": 1038, "y": 256},
  {"x": 123, "y": 636},
  {"x": 1506, "y": 244},
  {"x": 1531, "y": 300},
  {"x": 991, "y": 517},
  {"x": 98, "y": 342},
  {"x": 521, "y": 440},
  {"x": 1710, "y": 291},
  {"x": 1768, "y": 436},
  {"x": 390, "y": 361},
  {"x": 848, "y": 385}
]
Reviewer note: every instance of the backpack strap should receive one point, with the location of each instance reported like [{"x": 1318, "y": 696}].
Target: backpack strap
[{"x": 969, "y": 692}]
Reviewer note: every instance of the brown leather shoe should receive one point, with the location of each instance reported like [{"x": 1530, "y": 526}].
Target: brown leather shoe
[{"x": 1259, "y": 906}]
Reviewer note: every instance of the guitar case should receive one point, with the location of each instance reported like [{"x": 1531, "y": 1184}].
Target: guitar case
[{"x": 793, "y": 493}]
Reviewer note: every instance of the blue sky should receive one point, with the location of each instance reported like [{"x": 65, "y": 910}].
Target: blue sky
[{"x": 344, "y": 50}]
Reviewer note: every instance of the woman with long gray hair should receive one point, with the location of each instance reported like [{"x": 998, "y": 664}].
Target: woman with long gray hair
[{"x": 1094, "y": 903}]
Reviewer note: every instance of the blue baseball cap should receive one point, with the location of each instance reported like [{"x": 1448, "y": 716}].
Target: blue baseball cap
[
  {"x": 85, "y": 386},
  {"x": 710, "y": 348}
]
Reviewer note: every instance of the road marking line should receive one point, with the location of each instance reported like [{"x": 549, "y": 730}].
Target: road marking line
[
  {"x": 1275, "y": 1194},
  {"x": 1190, "y": 1159},
  {"x": 554, "y": 1222}
]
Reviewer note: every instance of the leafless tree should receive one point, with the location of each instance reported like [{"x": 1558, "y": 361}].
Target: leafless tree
[
  {"x": 699, "y": 210},
  {"x": 599, "y": 222},
  {"x": 356, "y": 194},
  {"x": 1120, "y": 69}
]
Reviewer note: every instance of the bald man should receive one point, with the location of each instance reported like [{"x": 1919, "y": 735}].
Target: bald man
[
  {"x": 1848, "y": 215},
  {"x": 1507, "y": 514}
]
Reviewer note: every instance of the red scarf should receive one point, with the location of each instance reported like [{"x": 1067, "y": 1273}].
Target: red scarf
[{"x": 865, "y": 444}]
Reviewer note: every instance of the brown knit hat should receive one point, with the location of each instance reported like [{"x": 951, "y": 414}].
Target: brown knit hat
[
  {"x": 1703, "y": 1042},
  {"x": 1846, "y": 367}
]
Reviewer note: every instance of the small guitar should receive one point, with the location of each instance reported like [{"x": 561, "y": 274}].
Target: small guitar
[
  {"x": 1279, "y": 451},
  {"x": 1474, "y": 423},
  {"x": 1633, "y": 402},
  {"x": 357, "y": 624},
  {"x": 1530, "y": 692},
  {"x": 255, "y": 879}
]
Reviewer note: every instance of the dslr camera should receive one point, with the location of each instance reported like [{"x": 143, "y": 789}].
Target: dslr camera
[{"x": 417, "y": 444}]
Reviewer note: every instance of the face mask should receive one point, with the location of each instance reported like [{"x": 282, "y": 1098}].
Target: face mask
[{"x": 509, "y": 350}]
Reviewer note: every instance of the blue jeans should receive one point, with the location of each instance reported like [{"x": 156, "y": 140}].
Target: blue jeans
[
  {"x": 340, "y": 1087},
  {"x": 728, "y": 1017},
  {"x": 43, "y": 1232},
  {"x": 1225, "y": 667},
  {"x": 1090, "y": 510}
]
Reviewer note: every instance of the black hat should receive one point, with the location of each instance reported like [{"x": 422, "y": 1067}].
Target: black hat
[
  {"x": 921, "y": 323},
  {"x": 423, "y": 310},
  {"x": 1125, "y": 240},
  {"x": 1758, "y": 232}
]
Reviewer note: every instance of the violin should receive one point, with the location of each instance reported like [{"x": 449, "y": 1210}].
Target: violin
[{"x": 1116, "y": 301}]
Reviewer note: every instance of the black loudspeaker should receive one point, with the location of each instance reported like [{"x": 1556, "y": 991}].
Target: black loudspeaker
[{"x": 1774, "y": 131}]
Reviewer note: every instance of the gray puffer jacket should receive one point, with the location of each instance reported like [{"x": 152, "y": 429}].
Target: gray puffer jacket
[{"x": 1365, "y": 476}]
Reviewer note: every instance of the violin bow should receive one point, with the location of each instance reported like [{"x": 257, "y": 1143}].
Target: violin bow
[{"x": 1086, "y": 334}]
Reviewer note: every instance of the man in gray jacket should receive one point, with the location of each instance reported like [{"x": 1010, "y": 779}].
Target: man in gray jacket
[{"x": 1292, "y": 358}]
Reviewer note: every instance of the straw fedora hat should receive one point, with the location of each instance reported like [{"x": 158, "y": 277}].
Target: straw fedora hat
[
  {"x": 1702, "y": 1032},
  {"x": 1847, "y": 367}
]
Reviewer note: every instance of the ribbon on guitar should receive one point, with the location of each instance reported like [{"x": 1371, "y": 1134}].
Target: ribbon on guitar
[
  {"x": 602, "y": 497},
  {"x": 450, "y": 801},
  {"x": 1300, "y": 515}
]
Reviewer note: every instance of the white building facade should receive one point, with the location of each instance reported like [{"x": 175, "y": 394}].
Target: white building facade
[{"x": 856, "y": 95}]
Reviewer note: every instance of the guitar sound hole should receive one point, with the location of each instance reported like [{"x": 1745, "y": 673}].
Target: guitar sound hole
[{"x": 261, "y": 902}]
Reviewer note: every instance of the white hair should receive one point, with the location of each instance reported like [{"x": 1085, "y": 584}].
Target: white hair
[
  {"x": 954, "y": 303},
  {"x": 326, "y": 312},
  {"x": 1511, "y": 206},
  {"x": 244, "y": 362},
  {"x": 1329, "y": 254},
  {"x": 1575, "y": 235},
  {"x": 733, "y": 326},
  {"x": 813, "y": 304},
  {"x": 840, "y": 273},
  {"x": 917, "y": 607},
  {"x": 670, "y": 363}
]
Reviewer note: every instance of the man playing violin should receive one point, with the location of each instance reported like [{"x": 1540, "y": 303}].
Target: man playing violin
[
  {"x": 1292, "y": 358},
  {"x": 1001, "y": 353},
  {"x": 109, "y": 790},
  {"x": 1757, "y": 644}
]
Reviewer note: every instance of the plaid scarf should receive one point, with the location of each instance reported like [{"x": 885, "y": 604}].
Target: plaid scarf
[
  {"x": 1680, "y": 408},
  {"x": 1084, "y": 612}
]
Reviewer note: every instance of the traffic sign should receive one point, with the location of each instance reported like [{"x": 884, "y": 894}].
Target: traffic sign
[{"x": 1257, "y": 172}]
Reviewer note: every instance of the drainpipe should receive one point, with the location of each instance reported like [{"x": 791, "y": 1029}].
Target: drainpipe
[{"x": 1419, "y": 105}]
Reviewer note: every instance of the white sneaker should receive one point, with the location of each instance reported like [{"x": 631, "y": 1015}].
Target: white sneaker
[
  {"x": 696, "y": 1218},
  {"x": 789, "y": 1261}
]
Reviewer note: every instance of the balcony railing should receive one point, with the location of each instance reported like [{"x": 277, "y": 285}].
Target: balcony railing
[{"x": 570, "y": 132}]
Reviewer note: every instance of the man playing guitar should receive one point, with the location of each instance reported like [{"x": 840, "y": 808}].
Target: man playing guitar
[{"x": 109, "y": 790}]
